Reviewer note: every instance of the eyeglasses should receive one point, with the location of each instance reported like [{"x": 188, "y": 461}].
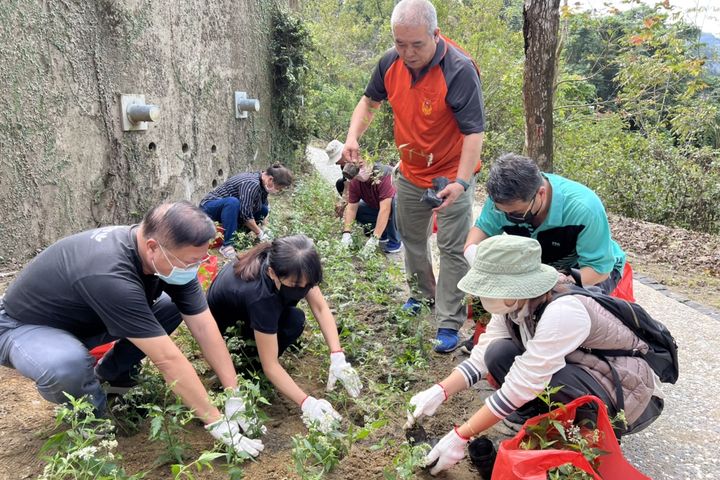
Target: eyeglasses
[
  {"x": 519, "y": 217},
  {"x": 185, "y": 265}
]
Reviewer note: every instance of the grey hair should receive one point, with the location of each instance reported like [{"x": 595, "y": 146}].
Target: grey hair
[
  {"x": 179, "y": 224},
  {"x": 415, "y": 13},
  {"x": 513, "y": 178}
]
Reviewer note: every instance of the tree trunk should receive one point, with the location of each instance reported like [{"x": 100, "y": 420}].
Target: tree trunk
[{"x": 541, "y": 19}]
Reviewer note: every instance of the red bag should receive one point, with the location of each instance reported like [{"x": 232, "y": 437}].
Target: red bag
[
  {"x": 515, "y": 463},
  {"x": 207, "y": 272},
  {"x": 624, "y": 287},
  {"x": 100, "y": 351},
  {"x": 219, "y": 237}
]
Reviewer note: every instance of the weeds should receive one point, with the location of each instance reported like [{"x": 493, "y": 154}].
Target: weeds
[
  {"x": 85, "y": 449},
  {"x": 167, "y": 425},
  {"x": 410, "y": 459}
]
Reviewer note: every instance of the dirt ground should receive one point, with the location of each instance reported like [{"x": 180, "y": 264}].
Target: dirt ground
[{"x": 687, "y": 262}]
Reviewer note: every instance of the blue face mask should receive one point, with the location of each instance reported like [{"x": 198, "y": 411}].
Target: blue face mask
[{"x": 178, "y": 276}]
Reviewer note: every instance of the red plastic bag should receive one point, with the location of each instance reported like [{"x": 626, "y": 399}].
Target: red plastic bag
[
  {"x": 100, "y": 351},
  {"x": 515, "y": 463},
  {"x": 219, "y": 237},
  {"x": 624, "y": 287},
  {"x": 207, "y": 272}
]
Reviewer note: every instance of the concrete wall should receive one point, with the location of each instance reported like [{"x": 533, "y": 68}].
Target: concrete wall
[{"x": 65, "y": 163}]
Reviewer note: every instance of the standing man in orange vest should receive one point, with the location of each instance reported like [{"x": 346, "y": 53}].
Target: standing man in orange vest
[{"x": 434, "y": 90}]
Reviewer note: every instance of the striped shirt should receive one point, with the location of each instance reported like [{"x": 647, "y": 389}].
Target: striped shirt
[{"x": 246, "y": 187}]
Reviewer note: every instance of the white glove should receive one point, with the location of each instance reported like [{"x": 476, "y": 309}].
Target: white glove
[
  {"x": 346, "y": 239},
  {"x": 426, "y": 403},
  {"x": 448, "y": 451},
  {"x": 228, "y": 432},
  {"x": 265, "y": 235},
  {"x": 370, "y": 247},
  {"x": 341, "y": 370},
  {"x": 235, "y": 410},
  {"x": 320, "y": 413},
  {"x": 470, "y": 252}
]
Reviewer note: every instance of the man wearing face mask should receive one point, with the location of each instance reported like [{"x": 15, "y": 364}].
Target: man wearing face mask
[
  {"x": 258, "y": 293},
  {"x": 371, "y": 201},
  {"x": 134, "y": 284},
  {"x": 567, "y": 218}
]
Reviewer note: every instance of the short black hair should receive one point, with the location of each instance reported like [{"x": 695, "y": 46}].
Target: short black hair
[
  {"x": 513, "y": 177},
  {"x": 178, "y": 224}
]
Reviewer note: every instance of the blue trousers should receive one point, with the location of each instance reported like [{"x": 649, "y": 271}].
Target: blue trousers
[
  {"x": 58, "y": 361},
  {"x": 366, "y": 215},
  {"x": 226, "y": 211}
]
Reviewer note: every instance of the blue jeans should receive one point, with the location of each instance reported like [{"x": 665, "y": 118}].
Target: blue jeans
[
  {"x": 366, "y": 215},
  {"x": 58, "y": 361},
  {"x": 226, "y": 211}
]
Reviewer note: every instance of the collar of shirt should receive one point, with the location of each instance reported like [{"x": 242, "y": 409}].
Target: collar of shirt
[
  {"x": 440, "y": 51},
  {"x": 262, "y": 186}
]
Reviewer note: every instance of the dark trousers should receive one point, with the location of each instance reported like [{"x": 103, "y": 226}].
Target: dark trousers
[
  {"x": 226, "y": 211},
  {"x": 500, "y": 356},
  {"x": 290, "y": 327},
  {"x": 367, "y": 216}
]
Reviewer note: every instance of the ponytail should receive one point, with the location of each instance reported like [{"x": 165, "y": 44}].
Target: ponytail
[{"x": 247, "y": 266}]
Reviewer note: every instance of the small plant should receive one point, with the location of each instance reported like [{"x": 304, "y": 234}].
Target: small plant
[
  {"x": 204, "y": 461},
  {"x": 410, "y": 459},
  {"x": 85, "y": 449},
  {"x": 167, "y": 425},
  {"x": 553, "y": 433},
  {"x": 318, "y": 453},
  {"x": 252, "y": 394}
]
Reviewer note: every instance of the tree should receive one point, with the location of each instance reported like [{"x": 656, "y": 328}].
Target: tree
[{"x": 541, "y": 20}]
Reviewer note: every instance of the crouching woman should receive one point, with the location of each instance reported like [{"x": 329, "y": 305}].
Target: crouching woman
[
  {"x": 259, "y": 292},
  {"x": 532, "y": 341}
]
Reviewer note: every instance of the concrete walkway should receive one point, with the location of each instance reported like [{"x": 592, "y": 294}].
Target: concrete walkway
[{"x": 683, "y": 443}]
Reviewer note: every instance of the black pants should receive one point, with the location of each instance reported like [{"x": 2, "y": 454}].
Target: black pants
[
  {"x": 576, "y": 382},
  {"x": 290, "y": 327}
]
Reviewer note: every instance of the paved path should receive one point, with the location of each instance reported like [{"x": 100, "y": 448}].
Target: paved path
[{"x": 684, "y": 443}]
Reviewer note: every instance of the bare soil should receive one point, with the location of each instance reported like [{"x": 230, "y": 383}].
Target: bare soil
[{"x": 687, "y": 262}]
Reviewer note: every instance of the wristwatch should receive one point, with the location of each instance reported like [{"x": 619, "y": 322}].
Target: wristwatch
[{"x": 462, "y": 182}]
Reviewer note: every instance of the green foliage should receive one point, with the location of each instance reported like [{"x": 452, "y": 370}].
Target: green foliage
[
  {"x": 203, "y": 462},
  {"x": 290, "y": 45},
  {"x": 167, "y": 425},
  {"x": 85, "y": 448},
  {"x": 407, "y": 462},
  {"x": 318, "y": 453}
]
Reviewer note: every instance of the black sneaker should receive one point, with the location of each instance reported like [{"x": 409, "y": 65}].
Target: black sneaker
[
  {"x": 118, "y": 386},
  {"x": 467, "y": 346},
  {"x": 514, "y": 422}
]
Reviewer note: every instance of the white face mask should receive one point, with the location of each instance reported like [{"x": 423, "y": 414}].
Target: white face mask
[{"x": 498, "y": 306}]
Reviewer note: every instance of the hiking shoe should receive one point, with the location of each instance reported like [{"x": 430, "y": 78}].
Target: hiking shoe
[
  {"x": 412, "y": 306},
  {"x": 228, "y": 251},
  {"x": 119, "y": 386},
  {"x": 467, "y": 346},
  {"x": 448, "y": 340},
  {"x": 392, "y": 247},
  {"x": 514, "y": 422}
]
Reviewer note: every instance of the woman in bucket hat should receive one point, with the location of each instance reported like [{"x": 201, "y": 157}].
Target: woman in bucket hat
[{"x": 532, "y": 342}]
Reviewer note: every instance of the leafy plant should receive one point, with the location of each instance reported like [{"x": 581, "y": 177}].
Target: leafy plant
[
  {"x": 407, "y": 462},
  {"x": 85, "y": 449},
  {"x": 318, "y": 453},
  {"x": 167, "y": 425},
  {"x": 203, "y": 462}
]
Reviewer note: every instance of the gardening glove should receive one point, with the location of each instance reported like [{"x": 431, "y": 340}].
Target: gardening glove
[
  {"x": 346, "y": 239},
  {"x": 426, "y": 403},
  {"x": 341, "y": 370},
  {"x": 320, "y": 413},
  {"x": 235, "y": 410},
  {"x": 470, "y": 252},
  {"x": 228, "y": 432},
  {"x": 265, "y": 235},
  {"x": 370, "y": 247},
  {"x": 448, "y": 451}
]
